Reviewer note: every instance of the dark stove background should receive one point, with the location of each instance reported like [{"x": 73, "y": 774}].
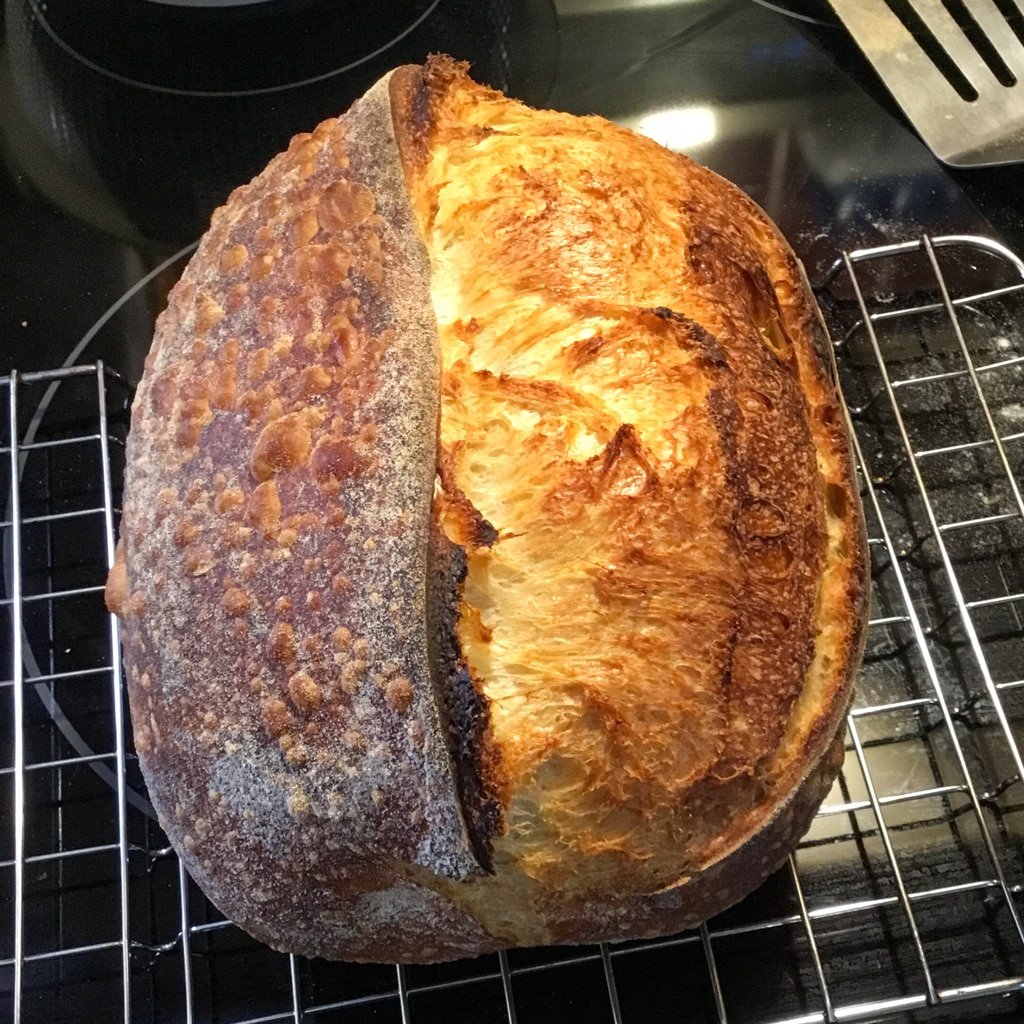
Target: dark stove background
[
  {"x": 123, "y": 123},
  {"x": 163, "y": 109},
  {"x": 109, "y": 167}
]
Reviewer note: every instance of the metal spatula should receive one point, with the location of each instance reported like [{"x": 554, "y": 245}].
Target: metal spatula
[{"x": 956, "y": 67}]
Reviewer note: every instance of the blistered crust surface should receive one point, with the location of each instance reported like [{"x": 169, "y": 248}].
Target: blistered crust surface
[
  {"x": 281, "y": 469},
  {"x": 666, "y": 613}
]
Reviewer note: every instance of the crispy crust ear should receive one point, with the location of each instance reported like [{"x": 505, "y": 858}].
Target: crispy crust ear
[{"x": 277, "y": 541}]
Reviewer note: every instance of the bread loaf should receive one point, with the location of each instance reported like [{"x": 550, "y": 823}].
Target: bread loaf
[{"x": 492, "y": 570}]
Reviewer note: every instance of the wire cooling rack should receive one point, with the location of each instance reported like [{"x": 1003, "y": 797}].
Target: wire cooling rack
[{"x": 903, "y": 901}]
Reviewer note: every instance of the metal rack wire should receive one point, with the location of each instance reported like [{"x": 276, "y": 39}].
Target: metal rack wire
[{"x": 904, "y": 900}]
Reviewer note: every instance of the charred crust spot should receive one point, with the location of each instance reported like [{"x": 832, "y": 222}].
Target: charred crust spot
[
  {"x": 199, "y": 559},
  {"x": 184, "y": 533},
  {"x": 236, "y": 601},
  {"x": 116, "y": 591},
  {"x": 345, "y": 205},
  {"x": 233, "y": 258},
  {"x": 486, "y": 534},
  {"x": 281, "y": 643},
  {"x": 304, "y": 692},
  {"x": 264, "y": 508},
  {"x": 625, "y": 468},
  {"x": 689, "y": 333},
  {"x": 466, "y": 710},
  {"x": 277, "y": 718},
  {"x": 722, "y": 408},
  {"x": 229, "y": 500},
  {"x": 462, "y": 520},
  {"x": 398, "y": 694},
  {"x": 335, "y": 458},
  {"x": 410, "y": 100}
]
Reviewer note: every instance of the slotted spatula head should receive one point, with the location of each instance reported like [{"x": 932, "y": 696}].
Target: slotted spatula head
[{"x": 956, "y": 67}]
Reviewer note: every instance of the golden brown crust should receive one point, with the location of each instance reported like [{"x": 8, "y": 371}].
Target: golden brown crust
[
  {"x": 668, "y": 621},
  {"x": 276, "y": 533},
  {"x": 633, "y": 606}
]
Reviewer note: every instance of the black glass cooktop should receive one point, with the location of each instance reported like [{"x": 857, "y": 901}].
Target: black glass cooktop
[{"x": 123, "y": 123}]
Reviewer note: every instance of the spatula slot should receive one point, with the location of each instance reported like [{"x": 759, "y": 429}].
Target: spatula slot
[
  {"x": 935, "y": 51},
  {"x": 956, "y": 67},
  {"x": 981, "y": 42},
  {"x": 1014, "y": 18}
]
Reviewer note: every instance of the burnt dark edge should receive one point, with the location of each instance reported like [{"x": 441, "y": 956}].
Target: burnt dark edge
[
  {"x": 465, "y": 711},
  {"x": 410, "y": 114},
  {"x": 695, "y": 333},
  {"x": 822, "y": 346}
]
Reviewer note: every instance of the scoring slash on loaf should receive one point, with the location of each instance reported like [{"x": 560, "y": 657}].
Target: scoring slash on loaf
[{"x": 492, "y": 570}]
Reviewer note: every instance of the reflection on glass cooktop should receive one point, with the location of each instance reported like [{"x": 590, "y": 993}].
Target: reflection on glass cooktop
[{"x": 123, "y": 123}]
